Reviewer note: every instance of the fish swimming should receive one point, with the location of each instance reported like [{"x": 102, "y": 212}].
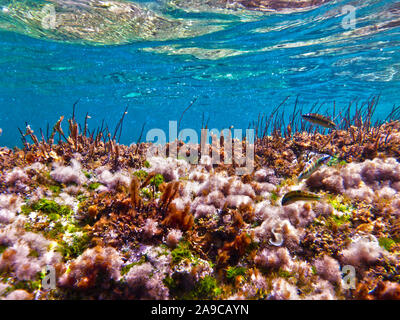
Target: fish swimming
[
  {"x": 299, "y": 195},
  {"x": 319, "y": 119},
  {"x": 313, "y": 165}
]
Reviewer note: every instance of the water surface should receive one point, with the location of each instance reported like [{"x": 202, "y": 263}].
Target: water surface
[{"x": 238, "y": 63}]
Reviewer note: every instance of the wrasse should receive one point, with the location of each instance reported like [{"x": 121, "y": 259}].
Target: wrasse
[
  {"x": 313, "y": 165},
  {"x": 320, "y": 120},
  {"x": 299, "y": 195}
]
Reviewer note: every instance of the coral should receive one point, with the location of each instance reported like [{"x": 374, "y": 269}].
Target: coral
[
  {"x": 19, "y": 295},
  {"x": 204, "y": 210},
  {"x": 112, "y": 180},
  {"x": 273, "y": 226},
  {"x": 27, "y": 253},
  {"x": 256, "y": 286},
  {"x": 170, "y": 168},
  {"x": 388, "y": 290},
  {"x": 118, "y": 224},
  {"x": 146, "y": 283},
  {"x": 70, "y": 174},
  {"x": 6, "y": 216},
  {"x": 150, "y": 229},
  {"x": 361, "y": 252},
  {"x": 91, "y": 267},
  {"x": 322, "y": 290},
  {"x": 328, "y": 179},
  {"x": 235, "y": 201},
  {"x": 377, "y": 290},
  {"x": 375, "y": 172},
  {"x": 3, "y": 287},
  {"x": 328, "y": 269},
  {"x": 360, "y": 180},
  {"x": 282, "y": 290},
  {"x": 264, "y": 175},
  {"x": 173, "y": 237},
  {"x": 273, "y": 258},
  {"x": 17, "y": 178},
  {"x": 264, "y": 210},
  {"x": 10, "y": 202}
]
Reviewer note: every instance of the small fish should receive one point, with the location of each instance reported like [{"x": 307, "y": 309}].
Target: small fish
[
  {"x": 299, "y": 195},
  {"x": 320, "y": 120},
  {"x": 313, "y": 165}
]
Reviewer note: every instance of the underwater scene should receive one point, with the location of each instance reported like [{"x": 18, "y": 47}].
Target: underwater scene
[{"x": 199, "y": 150}]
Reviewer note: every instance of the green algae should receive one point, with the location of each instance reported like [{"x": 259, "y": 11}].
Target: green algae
[
  {"x": 206, "y": 288},
  {"x": 181, "y": 252},
  {"x": 3, "y": 248},
  {"x": 146, "y": 193},
  {"x": 386, "y": 243},
  {"x": 87, "y": 174},
  {"x": 26, "y": 285},
  {"x": 146, "y": 164},
  {"x": 170, "y": 283},
  {"x": 141, "y": 174},
  {"x": 157, "y": 180},
  {"x": 335, "y": 161},
  {"x": 56, "y": 189},
  {"x": 48, "y": 206},
  {"x": 314, "y": 270},
  {"x": 93, "y": 186},
  {"x": 341, "y": 204},
  {"x": 71, "y": 250},
  {"x": 285, "y": 274},
  {"x": 340, "y": 220},
  {"x": 33, "y": 253},
  {"x": 61, "y": 222},
  {"x": 125, "y": 269},
  {"x": 233, "y": 272},
  {"x": 81, "y": 198}
]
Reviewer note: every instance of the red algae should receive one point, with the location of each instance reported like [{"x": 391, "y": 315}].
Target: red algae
[{"x": 116, "y": 223}]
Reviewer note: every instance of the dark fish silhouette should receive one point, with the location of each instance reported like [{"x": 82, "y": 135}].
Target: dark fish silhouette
[
  {"x": 299, "y": 195},
  {"x": 319, "y": 119}
]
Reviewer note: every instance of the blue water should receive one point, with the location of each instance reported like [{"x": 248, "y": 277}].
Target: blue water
[{"x": 260, "y": 61}]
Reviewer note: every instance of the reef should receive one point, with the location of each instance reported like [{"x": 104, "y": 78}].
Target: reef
[{"x": 115, "y": 223}]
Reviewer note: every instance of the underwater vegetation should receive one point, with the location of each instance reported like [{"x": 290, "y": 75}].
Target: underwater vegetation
[{"x": 116, "y": 224}]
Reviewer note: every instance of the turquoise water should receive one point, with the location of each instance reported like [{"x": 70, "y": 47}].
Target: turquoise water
[{"x": 237, "y": 64}]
